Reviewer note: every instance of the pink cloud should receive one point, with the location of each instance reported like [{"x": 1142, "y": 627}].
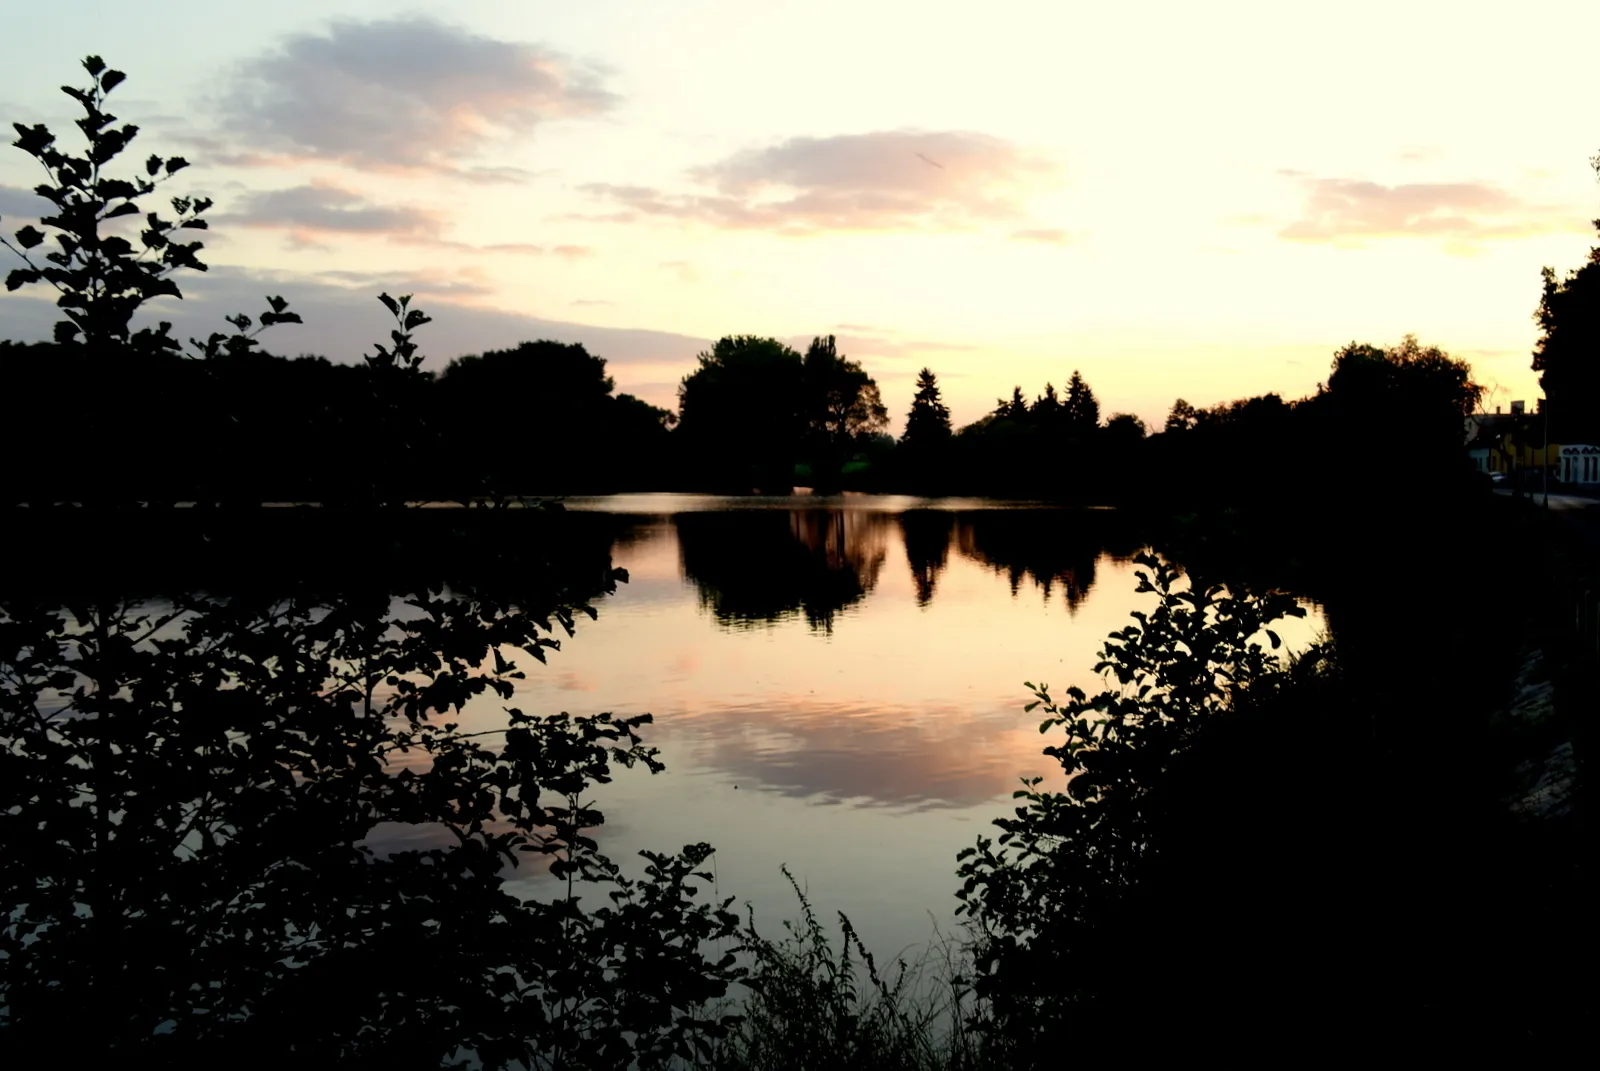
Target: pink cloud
[
  {"x": 1457, "y": 212},
  {"x": 883, "y": 181}
]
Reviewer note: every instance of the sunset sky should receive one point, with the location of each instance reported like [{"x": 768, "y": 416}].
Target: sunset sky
[{"x": 1180, "y": 199}]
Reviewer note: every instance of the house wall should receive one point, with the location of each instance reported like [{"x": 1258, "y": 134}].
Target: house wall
[{"x": 1579, "y": 464}]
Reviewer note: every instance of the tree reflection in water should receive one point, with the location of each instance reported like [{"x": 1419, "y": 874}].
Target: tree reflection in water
[
  {"x": 764, "y": 566},
  {"x": 1047, "y": 547},
  {"x": 927, "y": 535}
]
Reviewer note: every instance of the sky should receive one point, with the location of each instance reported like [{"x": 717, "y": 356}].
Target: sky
[{"x": 1197, "y": 200}]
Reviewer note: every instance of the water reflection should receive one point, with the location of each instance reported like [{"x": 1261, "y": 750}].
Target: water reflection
[
  {"x": 761, "y": 567},
  {"x": 770, "y": 563},
  {"x": 927, "y": 535},
  {"x": 838, "y": 750},
  {"x": 1056, "y": 549},
  {"x": 835, "y": 686}
]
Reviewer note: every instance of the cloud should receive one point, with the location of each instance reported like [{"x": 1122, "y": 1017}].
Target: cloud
[
  {"x": 883, "y": 181},
  {"x": 18, "y": 203},
  {"x": 320, "y": 210},
  {"x": 1045, "y": 235},
  {"x": 896, "y": 755},
  {"x": 405, "y": 94},
  {"x": 1459, "y": 213},
  {"x": 686, "y": 271},
  {"x": 323, "y": 209}
]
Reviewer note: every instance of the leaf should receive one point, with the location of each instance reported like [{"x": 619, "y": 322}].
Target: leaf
[
  {"x": 65, "y": 331},
  {"x": 29, "y": 236},
  {"x": 390, "y": 304},
  {"x": 176, "y": 164},
  {"x": 111, "y": 80},
  {"x": 21, "y": 277},
  {"x": 94, "y": 65},
  {"x": 152, "y": 166}
]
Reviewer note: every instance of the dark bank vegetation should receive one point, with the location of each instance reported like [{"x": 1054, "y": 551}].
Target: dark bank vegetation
[{"x": 209, "y": 714}]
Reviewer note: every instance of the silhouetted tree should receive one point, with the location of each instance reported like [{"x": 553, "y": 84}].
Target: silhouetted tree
[
  {"x": 842, "y": 409},
  {"x": 1125, "y": 428},
  {"x": 1082, "y": 411},
  {"x": 928, "y": 421},
  {"x": 742, "y": 412},
  {"x": 1016, "y": 409},
  {"x": 1400, "y": 408},
  {"x": 1182, "y": 417},
  {"x": 1046, "y": 410},
  {"x": 490, "y": 401},
  {"x": 101, "y": 280},
  {"x": 842, "y": 400},
  {"x": 1568, "y": 351}
]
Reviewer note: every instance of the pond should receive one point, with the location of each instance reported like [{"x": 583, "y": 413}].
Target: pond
[{"x": 837, "y": 685}]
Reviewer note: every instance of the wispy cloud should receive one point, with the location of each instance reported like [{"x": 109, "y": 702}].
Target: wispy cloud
[
  {"x": 312, "y": 213},
  {"x": 1042, "y": 235},
  {"x": 18, "y": 203},
  {"x": 685, "y": 271},
  {"x": 321, "y": 209},
  {"x": 1458, "y": 213},
  {"x": 405, "y": 94},
  {"x": 883, "y": 181}
]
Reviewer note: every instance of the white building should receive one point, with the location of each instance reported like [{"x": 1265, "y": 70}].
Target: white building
[{"x": 1580, "y": 465}]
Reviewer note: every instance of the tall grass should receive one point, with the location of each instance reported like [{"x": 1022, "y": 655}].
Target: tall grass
[{"x": 815, "y": 1003}]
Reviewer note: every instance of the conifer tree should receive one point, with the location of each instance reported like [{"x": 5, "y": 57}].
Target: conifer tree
[
  {"x": 928, "y": 422},
  {"x": 1082, "y": 410}
]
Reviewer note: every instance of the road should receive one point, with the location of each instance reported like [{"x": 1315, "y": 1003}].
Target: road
[{"x": 1581, "y": 511}]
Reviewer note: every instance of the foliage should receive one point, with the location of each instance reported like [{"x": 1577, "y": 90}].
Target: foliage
[
  {"x": 928, "y": 422},
  {"x": 842, "y": 401},
  {"x": 100, "y": 277},
  {"x": 491, "y": 399},
  {"x": 740, "y": 411},
  {"x": 1080, "y": 411},
  {"x": 1125, "y": 429},
  {"x": 1566, "y": 352},
  {"x": 196, "y": 789},
  {"x": 1182, "y": 417},
  {"x": 191, "y": 793},
  {"x": 1062, "y": 865}
]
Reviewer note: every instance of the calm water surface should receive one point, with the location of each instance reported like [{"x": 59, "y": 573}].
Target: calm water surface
[{"x": 837, "y": 685}]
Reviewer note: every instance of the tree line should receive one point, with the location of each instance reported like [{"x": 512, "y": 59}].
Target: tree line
[{"x": 754, "y": 414}]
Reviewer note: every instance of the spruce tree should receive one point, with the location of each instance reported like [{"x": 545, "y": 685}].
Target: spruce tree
[
  {"x": 928, "y": 422},
  {"x": 1082, "y": 410}
]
